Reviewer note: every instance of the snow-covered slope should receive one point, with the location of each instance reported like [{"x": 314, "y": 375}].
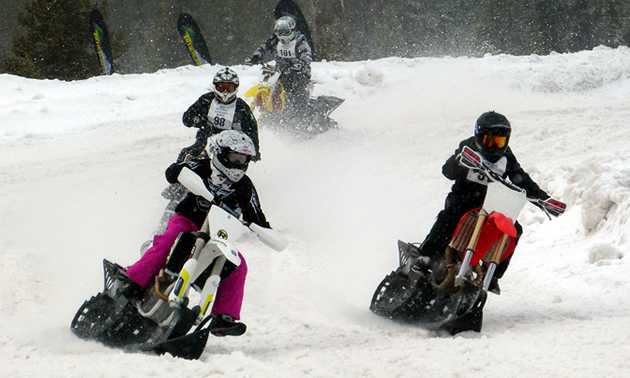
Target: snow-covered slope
[{"x": 82, "y": 166}]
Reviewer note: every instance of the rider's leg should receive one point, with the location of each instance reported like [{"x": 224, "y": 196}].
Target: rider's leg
[
  {"x": 231, "y": 291},
  {"x": 154, "y": 259}
]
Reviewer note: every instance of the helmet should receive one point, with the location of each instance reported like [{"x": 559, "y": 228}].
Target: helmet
[
  {"x": 492, "y": 134},
  {"x": 225, "y": 85},
  {"x": 285, "y": 29},
  {"x": 231, "y": 153}
]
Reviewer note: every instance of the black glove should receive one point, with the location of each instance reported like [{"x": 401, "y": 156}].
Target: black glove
[
  {"x": 199, "y": 122},
  {"x": 255, "y": 59}
]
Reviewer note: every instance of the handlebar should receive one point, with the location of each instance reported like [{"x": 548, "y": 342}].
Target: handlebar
[{"x": 472, "y": 160}]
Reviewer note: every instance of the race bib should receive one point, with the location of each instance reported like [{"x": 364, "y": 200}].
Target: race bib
[
  {"x": 221, "y": 115},
  {"x": 286, "y": 50},
  {"x": 499, "y": 168}
]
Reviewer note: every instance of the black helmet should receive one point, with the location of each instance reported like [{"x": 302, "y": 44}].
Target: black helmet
[{"x": 492, "y": 134}]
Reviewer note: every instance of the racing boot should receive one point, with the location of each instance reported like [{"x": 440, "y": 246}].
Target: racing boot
[
  {"x": 129, "y": 288},
  {"x": 225, "y": 325},
  {"x": 494, "y": 286}
]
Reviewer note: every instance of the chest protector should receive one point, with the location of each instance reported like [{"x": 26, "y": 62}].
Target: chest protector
[
  {"x": 222, "y": 115},
  {"x": 286, "y": 50},
  {"x": 499, "y": 168},
  {"x": 219, "y": 185}
]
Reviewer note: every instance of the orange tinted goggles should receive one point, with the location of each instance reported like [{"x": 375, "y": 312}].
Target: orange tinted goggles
[
  {"x": 226, "y": 87},
  {"x": 494, "y": 141}
]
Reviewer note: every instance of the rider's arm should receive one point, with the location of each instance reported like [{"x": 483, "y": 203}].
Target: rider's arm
[
  {"x": 197, "y": 113},
  {"x": 519, "y": 177},
  {"x": 197, "y": 166},
  {"x": 195, "y": 150},
  {"x": 266, "y": 48},
  {"x": 304, "y": 52},
  {"x": 248, "y": 201},
  {"x": 452, "y": 170},
  {"x": 248, "y": 124}
]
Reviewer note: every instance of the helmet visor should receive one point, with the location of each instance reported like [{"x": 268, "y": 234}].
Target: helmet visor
[
  {"x": 225, "y": 87},
  {"x": 494, "y": 141}
]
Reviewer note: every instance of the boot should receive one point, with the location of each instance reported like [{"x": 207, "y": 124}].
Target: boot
[
  {"x": 129, "y": 288},
  {"x": 494, "y": 286},
  {"x": 225, "y": 325}
]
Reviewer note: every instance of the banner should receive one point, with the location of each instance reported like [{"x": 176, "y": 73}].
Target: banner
[
  {"x": 188, "y": 29},
  {"x": 101, "y": 42}
]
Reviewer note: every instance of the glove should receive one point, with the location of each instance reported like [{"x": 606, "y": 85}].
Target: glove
[
  {"x": 255, "y": 59},
  {"x": 198, "y": 122},
  {"x": 297, "y": 66}
]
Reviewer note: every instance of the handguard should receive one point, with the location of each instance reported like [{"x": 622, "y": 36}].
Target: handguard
[
  {"x": 550, "y": 206},
  {"x": 194, "y": 183}
]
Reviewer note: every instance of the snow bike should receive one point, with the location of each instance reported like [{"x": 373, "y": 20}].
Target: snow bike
[
  {"x": 162, "y": 320},
  {"x": 449, "y": 291},
  {"x": 269, "y": 100}
]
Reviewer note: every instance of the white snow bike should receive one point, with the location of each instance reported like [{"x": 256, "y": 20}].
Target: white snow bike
[{"x": 161, "y": 320}]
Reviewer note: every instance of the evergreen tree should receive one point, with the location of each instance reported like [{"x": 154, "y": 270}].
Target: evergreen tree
[
  {"x": 57, "y": 44},
  {"x": 328, "y": 30}
]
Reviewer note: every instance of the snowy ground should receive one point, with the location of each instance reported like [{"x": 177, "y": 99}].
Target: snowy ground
[{"x": 82, "y": 166}]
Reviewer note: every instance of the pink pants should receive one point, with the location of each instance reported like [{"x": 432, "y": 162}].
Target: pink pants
[{"x": 229, "y": 297}]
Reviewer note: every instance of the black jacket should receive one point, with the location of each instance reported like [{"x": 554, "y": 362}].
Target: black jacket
[
  {"x": 197, "y": 116},
  {"x": 243, "y": 197}
]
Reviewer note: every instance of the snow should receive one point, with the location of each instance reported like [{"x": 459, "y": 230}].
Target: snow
[{"x": 82, "y": 170}]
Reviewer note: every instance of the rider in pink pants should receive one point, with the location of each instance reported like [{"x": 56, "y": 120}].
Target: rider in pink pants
[{"x": 229, "y": 297}]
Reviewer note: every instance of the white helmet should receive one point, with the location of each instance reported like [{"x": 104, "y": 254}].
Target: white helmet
[
  {"x": 225, "y": 85},
  {"x": 285, "y": 29},
  {"x": 231, "y": 153}
]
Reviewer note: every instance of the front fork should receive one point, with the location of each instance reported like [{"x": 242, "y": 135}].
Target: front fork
[
  {"x": 470, "y": 250},
  {"x": 494, "y": 260},
  {"x": 208, "y": 294}
]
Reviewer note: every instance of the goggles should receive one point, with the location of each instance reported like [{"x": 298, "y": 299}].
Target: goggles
[
  {"x": 235, "y": 160},
  {"x": 283, "y": 32},
  {"x": 235, "y": 157},
  {"x": 225, "y": 87},
  {"x": 494, "y": 141}
]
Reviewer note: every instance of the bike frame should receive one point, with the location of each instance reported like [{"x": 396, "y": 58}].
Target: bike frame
[
  {"x": 502, "y": 205},
  {"x": 220, "y": 230},
  {"x": 269, "y": 95}
]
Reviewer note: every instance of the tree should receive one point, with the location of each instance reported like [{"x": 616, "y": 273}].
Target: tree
[
  {"x": 329, "y": 30},
  {"x": 57, "y": 44}
]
